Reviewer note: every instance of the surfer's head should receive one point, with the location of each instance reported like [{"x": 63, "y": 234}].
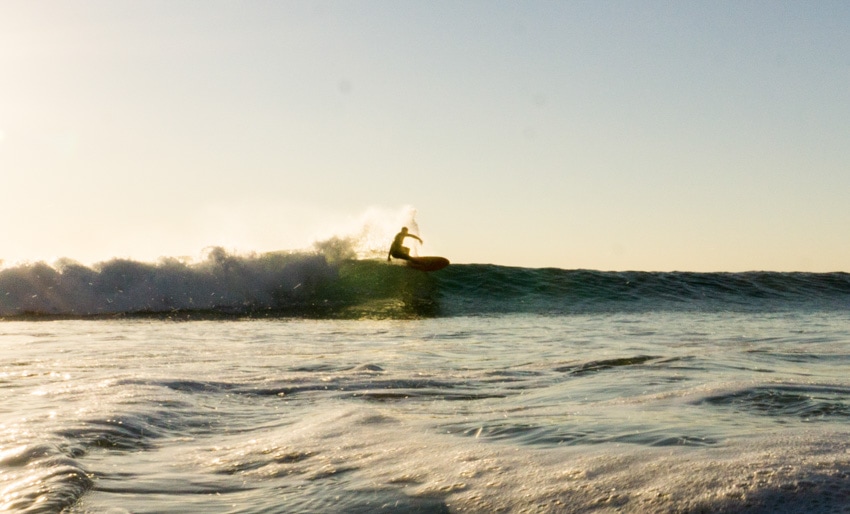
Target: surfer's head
[{"x": 404, "y": 230}]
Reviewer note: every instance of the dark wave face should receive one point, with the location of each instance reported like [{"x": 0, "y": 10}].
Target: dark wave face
[
  {"x": 311, "y": 285},
  {"x": 555, "y": 291}
]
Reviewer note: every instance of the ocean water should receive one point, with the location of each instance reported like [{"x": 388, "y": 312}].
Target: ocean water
[{"x": 291, "y": 383}]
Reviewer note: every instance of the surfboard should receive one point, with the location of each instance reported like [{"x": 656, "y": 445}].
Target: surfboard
[{"x": 428, "y": 263}]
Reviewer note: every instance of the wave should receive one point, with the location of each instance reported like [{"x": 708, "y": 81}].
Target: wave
[
  {"x": 319, "y": 285},
  {"x": 551, "y": 290}
]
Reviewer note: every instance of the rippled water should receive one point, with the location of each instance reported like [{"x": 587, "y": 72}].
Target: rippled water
[{"x": 617, "y": 412}]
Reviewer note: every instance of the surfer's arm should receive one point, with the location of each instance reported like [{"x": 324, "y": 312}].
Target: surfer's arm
[{"x": 415, "y": 237}]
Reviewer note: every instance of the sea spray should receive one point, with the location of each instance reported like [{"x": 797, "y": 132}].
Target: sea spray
[
  {"x": 223, "y": 283},
  {"x": 369, "y": 235}
]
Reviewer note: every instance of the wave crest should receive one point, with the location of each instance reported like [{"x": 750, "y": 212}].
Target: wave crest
[{"x": 330, "y": 283}]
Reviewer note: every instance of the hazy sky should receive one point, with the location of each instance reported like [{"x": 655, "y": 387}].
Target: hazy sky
[{"x": 706, "y": 136}]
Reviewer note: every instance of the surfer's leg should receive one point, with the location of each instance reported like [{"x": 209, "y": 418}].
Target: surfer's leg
[{"x": 401, "y": 253}]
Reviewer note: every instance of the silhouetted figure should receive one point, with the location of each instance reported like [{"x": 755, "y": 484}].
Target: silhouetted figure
[{"x": 397, "y": 249}]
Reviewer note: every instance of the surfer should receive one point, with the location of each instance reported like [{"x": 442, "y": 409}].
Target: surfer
[{"x": 399, "y": 251}]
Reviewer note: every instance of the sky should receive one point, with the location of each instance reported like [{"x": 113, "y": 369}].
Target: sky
[{"x": 624, "y": 135}]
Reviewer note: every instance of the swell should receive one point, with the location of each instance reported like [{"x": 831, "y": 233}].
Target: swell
[
  {"x": 40, "y": 478},
  {"x": 312, "y": 285},
  {"x": 557, "y": 291},
  {"x": 807, "y": 402}
]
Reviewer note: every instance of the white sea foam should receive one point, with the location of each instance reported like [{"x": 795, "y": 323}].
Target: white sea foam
[{"x": 604, "y": 412}]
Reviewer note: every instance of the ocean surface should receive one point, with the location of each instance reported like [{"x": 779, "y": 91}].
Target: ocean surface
[{"x": 292, "y": 383}]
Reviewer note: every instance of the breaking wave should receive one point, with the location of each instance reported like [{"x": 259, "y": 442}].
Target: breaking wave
[{"x": 329, "y": 283}]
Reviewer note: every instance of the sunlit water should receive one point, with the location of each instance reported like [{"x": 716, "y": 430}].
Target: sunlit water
[{"x": 617, "y": 412}]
